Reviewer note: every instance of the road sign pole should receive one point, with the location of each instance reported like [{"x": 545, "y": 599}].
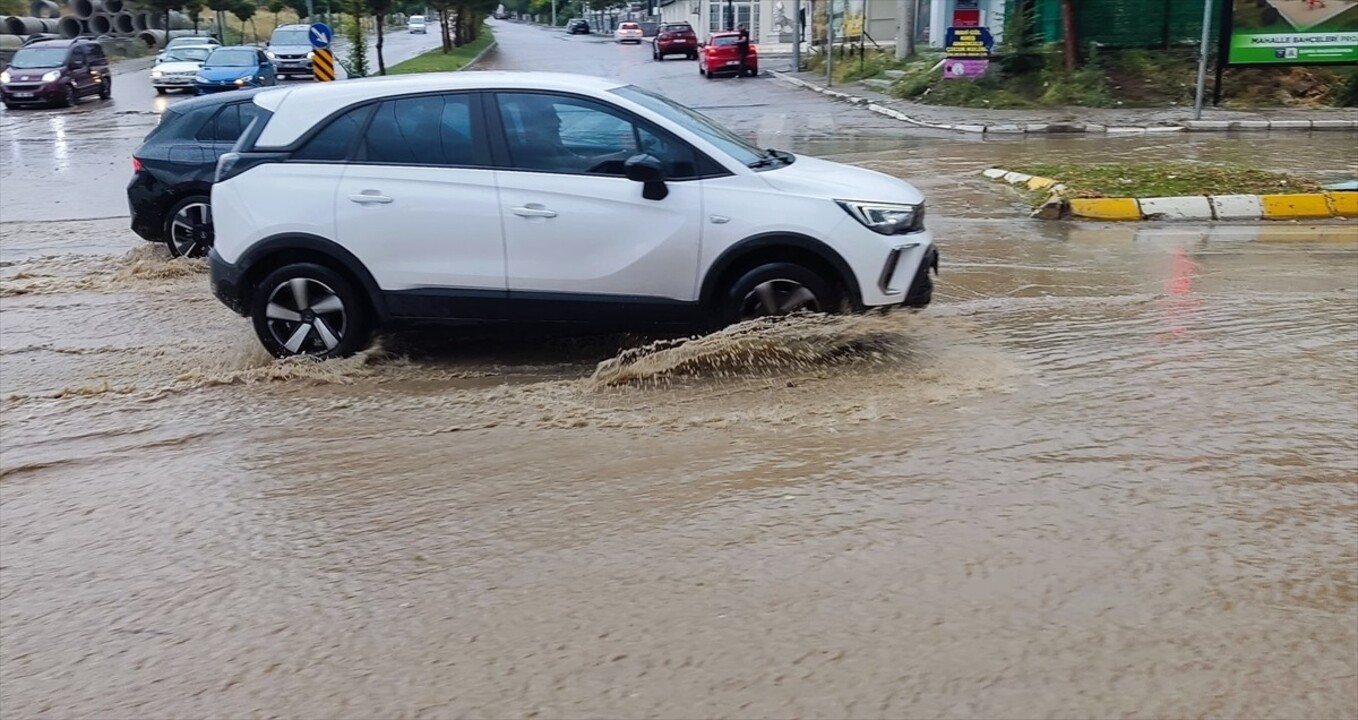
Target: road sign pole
[{"x": 1202, "y": 58}]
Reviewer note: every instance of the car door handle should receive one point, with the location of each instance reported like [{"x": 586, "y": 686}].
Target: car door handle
[
  {"x": 370, "y": 197},
  {"x": 534, "y": 211}
]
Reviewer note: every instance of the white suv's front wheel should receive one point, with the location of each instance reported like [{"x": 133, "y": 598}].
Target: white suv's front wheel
[
  {"x": 778, "y": 289},
  {"x": 309, "y": 309}
]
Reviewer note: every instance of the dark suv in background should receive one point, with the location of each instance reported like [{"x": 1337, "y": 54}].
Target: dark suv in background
[
  {"x": 675, "y": 39},
  {"x": 170, "y": 195},
  {"x": 577, "y": 26},
  {"x": 56, "y": 72}
]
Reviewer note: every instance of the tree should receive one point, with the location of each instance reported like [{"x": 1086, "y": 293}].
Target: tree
[
  {"x": 380, "y": 9},
  {"x": 1070, "y": 43},
  {"x": 445, "y": 9},
  {"x": 357, "y": 66},
  {"x": 299, "y": 7},
  {"x": 221, "y": 7},
  {"x": 162, "y": 9},
  {"x": 245, "y": 10},
  {"x": 275, "y": 7},
  {"x": 194, "y": 9}
]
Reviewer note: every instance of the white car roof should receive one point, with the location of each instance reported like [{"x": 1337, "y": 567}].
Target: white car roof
[{"x": 297, "y": 109}]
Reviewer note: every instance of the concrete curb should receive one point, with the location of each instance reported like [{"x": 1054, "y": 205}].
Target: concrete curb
[
  {"x": 1078, "y": 127},
  {"x": 1297, "y": 206},
  {"x": 477, "y": 59}
]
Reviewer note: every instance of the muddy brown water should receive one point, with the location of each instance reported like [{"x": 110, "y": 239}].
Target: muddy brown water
[{"x": 1111, "y": 472}]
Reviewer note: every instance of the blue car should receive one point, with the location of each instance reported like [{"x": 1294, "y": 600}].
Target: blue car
[{"x": 233, "y": 68}]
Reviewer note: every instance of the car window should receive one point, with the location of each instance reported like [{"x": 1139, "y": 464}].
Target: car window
[
  {"x": 96, "y": 54},
  {"x": 425, "y": 130},
  {"x": 333, "y": 142},
  {"x": 556, "y": 133},
  {"x": 229, "y": 123}
]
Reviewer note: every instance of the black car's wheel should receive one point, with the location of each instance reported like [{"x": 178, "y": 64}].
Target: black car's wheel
[
  {"x": 309, "y": 309},
  {"x": 777, "y": 289},
  {"x": 162, "y": 91},
  {"x": 70, "y": 97},
  {"x": 105, "y": 89},
  {"x": 188, "y": 227}
]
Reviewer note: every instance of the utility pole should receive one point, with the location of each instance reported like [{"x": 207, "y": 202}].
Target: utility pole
[
  {"x": 1202, "y": 58},
  {"x": 796, "y": 35},
  {"x": 829, "y": 42},
  {"x": 905, "y": 40},
  {"x": 553, "y": 13}
]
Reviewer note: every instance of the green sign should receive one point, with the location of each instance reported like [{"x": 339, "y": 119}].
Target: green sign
[{"x": 1293, "y": 32}]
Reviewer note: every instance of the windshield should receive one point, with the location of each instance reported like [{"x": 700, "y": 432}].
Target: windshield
[
  {"x": 179, "y": 42},
  {"x": 696, "y": 122},
  {"x": 290, "y": 37},
  {"x": 231, "y": 58},
  {"x": 188, "y": 54},
  {"x": 38, "y": 58},
  {"x": 676, "y": 29},
  {"x": 416, "y": 20}
]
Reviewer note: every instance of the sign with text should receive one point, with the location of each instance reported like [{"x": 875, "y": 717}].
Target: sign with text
[
  {"x": 954, "y": 69},
  {"x": 968, "y": 42},
  {"x": 1292, "y": 32}
]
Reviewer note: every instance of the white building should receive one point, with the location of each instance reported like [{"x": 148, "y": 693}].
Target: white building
[{"x": 771, "y": 22}]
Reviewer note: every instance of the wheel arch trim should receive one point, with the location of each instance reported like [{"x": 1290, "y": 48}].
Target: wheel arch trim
[
  {"x": 763, "y": 241},
  {"x": 258, "y": 255}
]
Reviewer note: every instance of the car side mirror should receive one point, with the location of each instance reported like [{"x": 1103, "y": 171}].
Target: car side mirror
[{"x": 647, "y": 169}]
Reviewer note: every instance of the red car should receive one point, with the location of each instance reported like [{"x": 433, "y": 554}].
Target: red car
[
  {"x": 676, "y": 39},
  {"x": 721, "y": 55}
]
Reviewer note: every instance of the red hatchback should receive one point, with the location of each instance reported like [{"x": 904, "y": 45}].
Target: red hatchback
[
  {"x": 721, "y": 55},
  {"x": 676, "y": 39}
]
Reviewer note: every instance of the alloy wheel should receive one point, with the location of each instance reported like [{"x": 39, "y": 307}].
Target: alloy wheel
[
  {"x": 778, "y": 297},
  {"x": 306, "y": 317},
  {"x": 191, "y": 230}
]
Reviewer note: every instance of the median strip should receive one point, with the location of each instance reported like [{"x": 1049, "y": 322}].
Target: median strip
[{"x": 1160, "y": 192}]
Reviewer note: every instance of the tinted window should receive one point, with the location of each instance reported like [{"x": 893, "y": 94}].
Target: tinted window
[
  {"x": 427, "y": 130},
  {"x": 695, "y": 122},
  {"x": 97, "y": 54},
  {"x": 573, "y": 135},
  {"x": 333, "y": 142},
  {"x": 229, "y": 123}
]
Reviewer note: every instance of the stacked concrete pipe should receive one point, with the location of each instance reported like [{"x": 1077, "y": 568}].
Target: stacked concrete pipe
[
  {"x": 113, "y": 7},
  {"x": 71, "y": 27},
  {"x": 29, "y": 25},
  {"x": 101, "y": 24},
  {"x": 156, "y": 38},
  {"x": 44, "y": 9},
  {"x": 85, "y": 9},
  {"x": 122, "y": 24}
]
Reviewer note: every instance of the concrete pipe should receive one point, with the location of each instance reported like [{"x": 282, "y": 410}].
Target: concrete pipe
[
  {"x": 70, "y": 27},
  {"x": 29, "y": 25},
  {"x": 10, "y": 43},
  {"x": 122, "y": 24},
  {"x": 85, "y": 9},
  {"x": 101, "y": 24},
  {"x": 44, "y": 9},
  {"x": 154, "y": 39},
  {"x": 140, "y": 21},
  {"x": 113, "y": 7},
  {"x": 179, "y": 21}
]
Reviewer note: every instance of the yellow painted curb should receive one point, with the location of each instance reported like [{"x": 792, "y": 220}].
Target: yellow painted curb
[
  {"x": 1294, "y": 207},
  {"x": 1105, "y": 208},
  {"x": 1040, "y": 183},
  {"x": 1344, "y": 204}
]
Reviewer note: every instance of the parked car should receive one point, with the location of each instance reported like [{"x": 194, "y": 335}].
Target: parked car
[
  {"x": 290, "y": 50},
  {"x": 628, "y": 32},
  {"x": 416, "y": 24},
  {"x": 721, "y": 56},
  {"x": 187, "y": 40},
  {"x": 170, "y": 191},
  {"x": 56, "y": 72},
  {"x": 233, "y": 68},
  {"x": 577, "y": 26},
  {"x": 353, "y": 206},
  {"x": 177, "y": 68},
  {"x": 676, "y": 39}
]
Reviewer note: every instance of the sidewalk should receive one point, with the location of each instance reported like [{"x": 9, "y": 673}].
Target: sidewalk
[{"x": 1077, "y": 120}]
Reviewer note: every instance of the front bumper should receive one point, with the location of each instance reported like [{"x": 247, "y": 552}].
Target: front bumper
[
  {"x": 173, "y": 81},
  {"x": 33, "y": 94},
  {"x": 921, "y": 291},
  {"x": 210, "y": 88},
  {"x": 225, "y": 279},
  {"x": 292, "y": 67}
]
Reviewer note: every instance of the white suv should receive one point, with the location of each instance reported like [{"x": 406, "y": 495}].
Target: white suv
[{"x": 539, "y": 197}]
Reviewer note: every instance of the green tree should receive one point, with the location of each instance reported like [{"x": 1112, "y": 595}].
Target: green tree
[
  {"x": 380, "y": 9},
  {"x": 275, "y": 7},
  {"x": 445, "y": 10},
  {"x": 194, "y": 9},
  {"x": 245, "y": 10},
  {"x": 357, "y": 65},
  {"x": 299, "y": 7},
  {"x": 220, "y": 8}
]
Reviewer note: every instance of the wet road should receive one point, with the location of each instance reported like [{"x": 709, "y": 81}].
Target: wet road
[{"x": 1113, "y": 471}]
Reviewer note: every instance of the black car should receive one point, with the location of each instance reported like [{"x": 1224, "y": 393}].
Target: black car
[
  {"x": 171, "y": 190},
  {"x": 577, "y": 26},
  {"x": 56, "y": 72}
]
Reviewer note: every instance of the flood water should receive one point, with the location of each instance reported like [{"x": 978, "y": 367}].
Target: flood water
[{"x": 1111, "y": 472}]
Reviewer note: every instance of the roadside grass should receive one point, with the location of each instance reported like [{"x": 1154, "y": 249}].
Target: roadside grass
[
  {"x": 436, "y": 61},
  {"x": 1169, "y": 179}
]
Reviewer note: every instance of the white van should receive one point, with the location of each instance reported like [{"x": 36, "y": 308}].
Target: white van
[{"x": 416, "y": 24}]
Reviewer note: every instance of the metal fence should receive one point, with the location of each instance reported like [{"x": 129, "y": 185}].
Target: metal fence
[{"x": 1123, "y": 23}]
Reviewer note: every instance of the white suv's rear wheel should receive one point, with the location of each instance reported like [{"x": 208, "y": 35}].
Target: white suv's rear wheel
[
  {"x": 778, "y": 289},
  {"x": 309, "y": 309}
]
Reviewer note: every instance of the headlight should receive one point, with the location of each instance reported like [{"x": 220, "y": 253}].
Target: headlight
[
  {"x": 4, "y": 76},
  {"x": 51, "y": 76},
  {"x": 886, "y": 218},
  {"x": 311, "y": 55},
  {"x": 271, "y": 55},
  {"x": 156, "y": 74},
  {"x": 241, "y": 81}
]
